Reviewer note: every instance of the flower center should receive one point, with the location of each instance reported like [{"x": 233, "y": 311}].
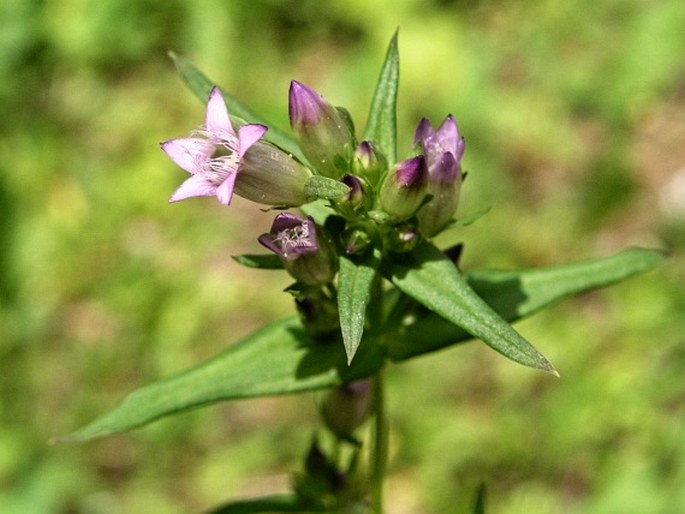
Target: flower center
[
  {"x": 294, "y": 238},
  {"x": 222, "y": 157}
]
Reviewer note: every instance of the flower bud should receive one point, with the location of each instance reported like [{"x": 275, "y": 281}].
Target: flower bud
[
  {"x": 270, "y": 176},
  {"x": 322, "y": 133},
  {"x": 443, "y": 150},
  {"x": 357, "y": 198},
  {"x": 355, "y": 241},
  {"x": 346, "y": 407},
  {"x": 401, "y": 238},
  {"x": 404, "y": 188},
  {"x": 319, "y": 315},
  {"x": 369, "y": 162},
  {"x": 306, "y": 253}
]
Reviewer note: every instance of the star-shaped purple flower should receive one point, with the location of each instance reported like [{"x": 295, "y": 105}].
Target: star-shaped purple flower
[{"x": 212, "y": 153}]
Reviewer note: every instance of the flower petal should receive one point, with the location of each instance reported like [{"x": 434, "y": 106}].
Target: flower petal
[
  {"x": 189, "y": 153},
  {"x": 445, "y": 168},
  {"x": 448, "y": 134},
  {"x": 423, "y": 130},
  {"x": 224, "y": 191},
  {"x": 197, "y": 185},
  {"x": 216, "y": 117},
  {"x": 249, "y": 135}
]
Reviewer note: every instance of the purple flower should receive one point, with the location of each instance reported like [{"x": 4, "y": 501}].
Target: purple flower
[
  {"x": 212, "y": 154},
  {"x": 291, "y": 236},
  {"x": 443, "y": 150},
  {"x": 306, "y": 256}
]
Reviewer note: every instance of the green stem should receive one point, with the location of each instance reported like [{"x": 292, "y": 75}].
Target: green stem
[{"x": 379, "y": 455}]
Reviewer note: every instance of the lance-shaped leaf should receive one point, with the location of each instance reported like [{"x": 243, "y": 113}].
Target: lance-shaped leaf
[
  {"x": 278, "y": 359},
  {"x": 259, "y": 261},
  {"x": 355, "y": 281},
  {"x": 201, "y": 86},
  {"x": 381, "y": 127},
  {"x": 275, "y": 503},
  {"x": 432, "y": 279},
  {"x": 515, "y": 294},
  {"x": 319, "y": 187}
]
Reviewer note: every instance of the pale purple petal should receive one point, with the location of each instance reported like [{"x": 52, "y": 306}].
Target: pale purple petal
[
  {"x": 448, "y": 134},
  {"x": 305, "y": 106},
  {"x": 216, "y": 117},
  {"x": 189, "y": 153},
  {"x": 249, "y": 135},
  {"x": 197, "y": 185},
  {"x": 224, "y": 192},
  {"x": 423, "y": 130},
  {"x": 445, "y": 168}
]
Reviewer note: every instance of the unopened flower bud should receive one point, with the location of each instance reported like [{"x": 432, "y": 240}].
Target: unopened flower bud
[
  {"x": 346, "y": 407},
  {"x": 306, "y": 253},
  {"x": 369, "y": 162},
  {"x": 356, "y": 241},
  {"x": 404, "y": 188},
  {"x": 270, "y": 176},
  {"x": 443, "y": 150},
  {"x": 321, "y": 131},
  {"x": 319, "y": 315},
  {"x": 357, "y": 198},
  {"x": 401, "y": 238}
]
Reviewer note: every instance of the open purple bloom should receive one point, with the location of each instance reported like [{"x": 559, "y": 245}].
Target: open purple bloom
[
  {"x": 212, "y": 154},
  {"x": 290, "y": 236},
  {"x": 305, "y": 253}
]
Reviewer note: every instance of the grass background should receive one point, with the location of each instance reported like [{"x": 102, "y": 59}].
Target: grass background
[{"x": 574, "y": 116}]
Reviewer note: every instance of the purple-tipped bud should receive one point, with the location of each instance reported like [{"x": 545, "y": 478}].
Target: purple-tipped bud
[
  {"x": 404, "y": 188},
  {"x": 322, "y": 133},
  {"x": 270, "y": 176},
  {"x": 306, "y": 256},
  {"x": 369, "y": 162},
  {"x": 357, "y": 198},
  {"x": 443, "y": 149},
  {"x": 346, "y": 407}
]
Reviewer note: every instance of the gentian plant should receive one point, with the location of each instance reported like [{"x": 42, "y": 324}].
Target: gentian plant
[{"x": 369, "y": 285}]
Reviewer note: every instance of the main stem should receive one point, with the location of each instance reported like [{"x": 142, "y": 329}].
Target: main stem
[
  {"x": 379, "y": 443},
  {"x": 379, "y": 453}
]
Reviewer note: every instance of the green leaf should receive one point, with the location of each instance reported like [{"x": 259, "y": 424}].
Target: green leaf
[
  {"x": 472, "y": 218},
  {"x": 381, "y": 127},
  {"x": 262, "y": 261},
  {"x": 278, "y": 359},
  {"x": 201, "y": 86},
  {"x": 281, "y": 359},
  {"x": 479, "y": 500},
  {"x": 515, "y": 294},
  {"x": 319, "y": 187},
  {"x": 354, "y": 291},
  {"x": 275, "y": 503},
  {"x": 320, "y": 210},
  {"x": 433, "y": 280}
]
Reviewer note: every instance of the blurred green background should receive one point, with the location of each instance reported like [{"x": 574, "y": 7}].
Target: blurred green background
[{"x": 574, "y": 117}]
